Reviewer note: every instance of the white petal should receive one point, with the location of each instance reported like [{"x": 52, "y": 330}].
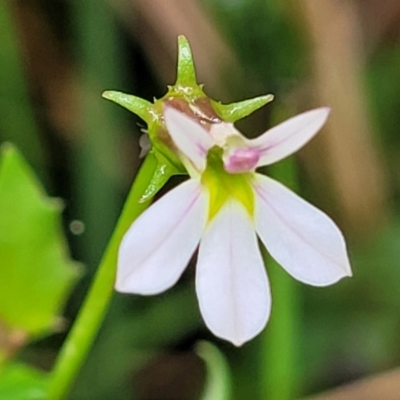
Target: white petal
[
  {"x": 157, "y": 247},
  {"x": 231, "y": 282},
  {"x": 301, "y": 238},
  {"x": 289, "y": 136},
  {"x": 190, "y": 138}
]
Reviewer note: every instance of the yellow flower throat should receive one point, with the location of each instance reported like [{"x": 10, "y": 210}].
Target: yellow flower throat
[{"x": 222, "y": 185}]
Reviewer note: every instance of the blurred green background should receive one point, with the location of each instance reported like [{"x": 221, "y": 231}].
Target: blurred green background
[{"x": 56, "y": 58}]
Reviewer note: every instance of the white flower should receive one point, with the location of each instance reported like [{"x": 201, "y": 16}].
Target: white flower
[{"x": 224, "y": 206}]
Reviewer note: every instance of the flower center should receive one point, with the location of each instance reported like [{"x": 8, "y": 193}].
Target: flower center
[
  {"x": 241, "y": 160},
  {"x": 223, "y": 185}
]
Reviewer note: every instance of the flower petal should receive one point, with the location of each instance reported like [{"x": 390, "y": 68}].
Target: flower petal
[
  {"x": 289, "y": 136},
  {"x": 231, "y": 282},
  {"x": 301, "y": 238},
  {"x": 159, "y": 244},
  {"x": 189, "y": 136}
]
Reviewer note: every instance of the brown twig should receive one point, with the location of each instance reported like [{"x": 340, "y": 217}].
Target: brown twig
[
  {"x": 385, "y": 386},
  {"x": 352, "y": 158}
]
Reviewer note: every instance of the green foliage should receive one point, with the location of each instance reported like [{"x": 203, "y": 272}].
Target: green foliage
[
  {"x": 21, "y": 382},
  {"x": 36, "y": 271}
]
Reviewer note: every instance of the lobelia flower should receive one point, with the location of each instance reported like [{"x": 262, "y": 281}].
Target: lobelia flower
[{"x": 222, "y": 208}]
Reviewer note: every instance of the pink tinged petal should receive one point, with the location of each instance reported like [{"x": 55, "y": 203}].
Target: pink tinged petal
[
  {"x": 289, "y": 136},
  {"x": 231, "y": 282},
  {"x": 241, "y": 160},
  {"x": 190, "y": 138},
  {"x": 301, "y": 238},
  {"x": 159, "y": 244}
]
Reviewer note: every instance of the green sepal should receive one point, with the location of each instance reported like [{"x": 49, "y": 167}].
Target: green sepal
[
  {"x": 186, "y": 75},
  {"x": 236, "y": 111},
  {"x": 36, "y": 271},
  {"x": 188, "y": 97},
  {"x": 137, "y": 105},
  {"x": 163, "y": 172}
]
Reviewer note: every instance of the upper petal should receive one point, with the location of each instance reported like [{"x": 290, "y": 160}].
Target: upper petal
[
  {"x": 301, "y": 238},
  {"x": 157, "y": 247},
  {"x": 231, "y": 281},
  {"x": 289, "y": 136},
  {"x": 189, "y": 136}
]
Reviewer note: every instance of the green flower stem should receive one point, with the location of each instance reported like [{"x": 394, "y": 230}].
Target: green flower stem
[
  {"x": 78, "y": 343},
  {"x": 279, "y": 340}
]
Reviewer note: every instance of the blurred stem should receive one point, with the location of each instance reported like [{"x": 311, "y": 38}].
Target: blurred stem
[
  {"x": 97, "y": 157},
  {"x": 17, "y": 122},
  {"x": 278, "y": 360},
  {"x": 3, "y": 359},
  {"x": 89, "y": 319},
  {"x": 218, "y": 381}
]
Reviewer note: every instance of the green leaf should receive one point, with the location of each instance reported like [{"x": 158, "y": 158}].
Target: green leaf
[
  {"x": 36, "y": 271},
  {"x": 21, "y": 382},
  {"x": 218, "y": 380}
]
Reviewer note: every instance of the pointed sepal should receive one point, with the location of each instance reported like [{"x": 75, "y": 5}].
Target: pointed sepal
[
  {"x": 188, "y": 97},
  {"x": 186, "y": 72},
  {"x": 138, "y": 106},
  {"x": 186, "y": 85},
  {"x": 236, "y": 111},
  {"x": 163, "y": 172}
]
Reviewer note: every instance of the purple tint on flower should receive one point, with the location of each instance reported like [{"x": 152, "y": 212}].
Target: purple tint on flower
[
  {"x": 231, "y": 282},
  {"x": 242, "y": 160}
]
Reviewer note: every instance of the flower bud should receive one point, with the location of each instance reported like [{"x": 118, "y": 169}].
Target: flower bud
[{"x": 186, "y": 96}]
